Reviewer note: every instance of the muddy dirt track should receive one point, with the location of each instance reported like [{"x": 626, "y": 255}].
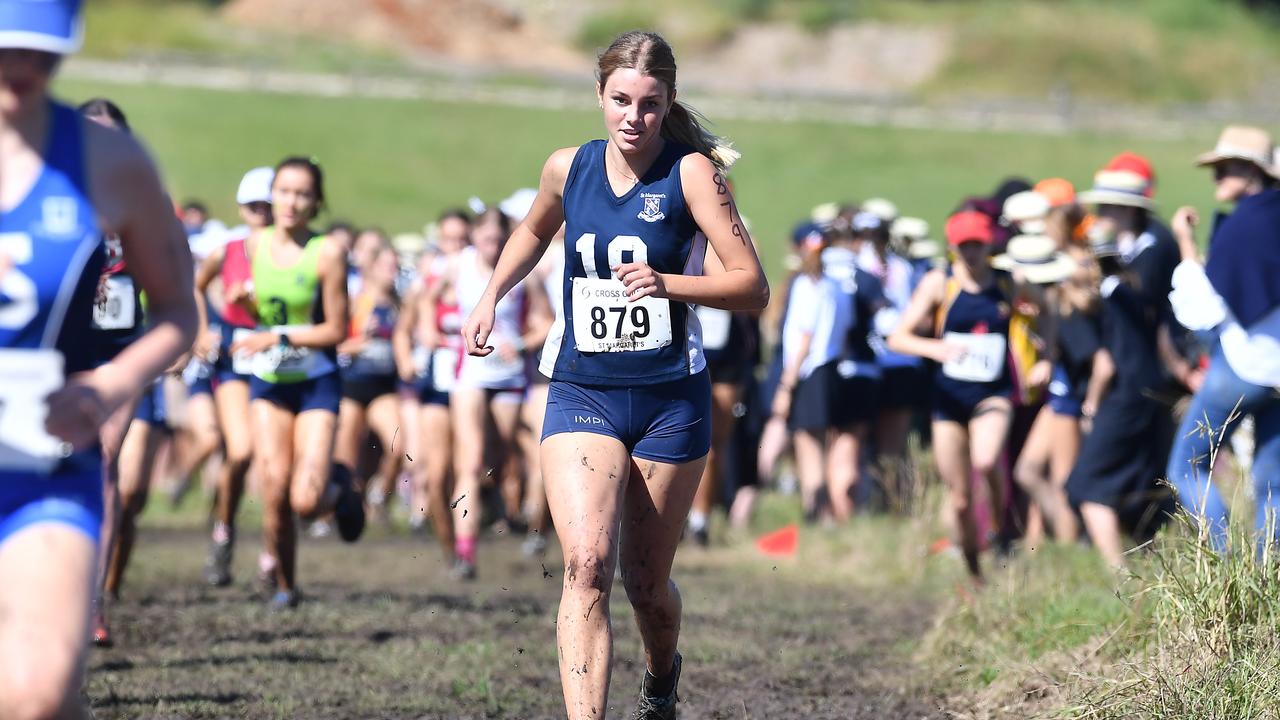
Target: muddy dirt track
[{"x": 383, "y": 633}]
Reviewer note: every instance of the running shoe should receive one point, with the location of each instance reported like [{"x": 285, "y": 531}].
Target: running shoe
[
  {"x": 702, "y": 538},
  {"x": 283, "y": 600},
  {"x": 348, "y": 514},
  {"x": 663, "y": 707},
  {"x": 418, "y": 524},
  {"x": 217, "y": 567},
  {"x": 534, "y": 545},
  {"x": 463, "y": 570},
  {"x": 101, "y": 633}
]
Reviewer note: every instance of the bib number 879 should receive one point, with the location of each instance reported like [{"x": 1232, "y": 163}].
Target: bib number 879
[{"x": 600, "y": 326}]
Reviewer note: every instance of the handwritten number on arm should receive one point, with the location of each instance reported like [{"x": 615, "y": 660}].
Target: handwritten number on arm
[{"x": 722, "y": 188}]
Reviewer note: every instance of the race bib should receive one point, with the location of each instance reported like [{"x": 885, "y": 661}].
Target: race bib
[
  {"x": 604, "y": 321},
  {"x": 377, "y": 357},
  {"x": 117, "y": 308},
  {"x": 286, "y": 360},
  {"x": 982, "y": 360},
  {"x": 444, "y": 368},
  {"x": 716, "y": 324},
  {"x": 27, "y": 377},
  {"x": 241, "y": 363}
]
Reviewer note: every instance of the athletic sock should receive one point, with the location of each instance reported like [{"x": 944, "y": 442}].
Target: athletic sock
[
  {"x": 465, "y": 548},
  {"x": 266, "y": 563},
  {"x": 697, "y": 521},
  {"x": 221, "y": 532}
]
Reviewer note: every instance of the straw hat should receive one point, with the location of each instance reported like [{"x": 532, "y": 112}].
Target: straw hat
[
  {"x": 1037, "y": 258},
  {"x": 825, "y": 213},
  {"x": 1026, "y": 210},
  {"x": 1241, "y": 142},
  {"x": 912, "y": 235},
  {"x": 881, "y": 208},
  {"x": 409, "y": 244}
]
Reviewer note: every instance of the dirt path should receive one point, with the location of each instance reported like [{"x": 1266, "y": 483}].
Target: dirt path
[{"x": 383, "y": 633}]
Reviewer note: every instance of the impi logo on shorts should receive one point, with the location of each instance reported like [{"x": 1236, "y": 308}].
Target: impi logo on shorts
[
  {"x": 588, "y": 420},
  {"x": 652, "y": 211}
]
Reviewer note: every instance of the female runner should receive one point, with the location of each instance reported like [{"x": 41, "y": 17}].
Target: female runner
[
  {"x": 228, "y": 267},
  {"x": 960, "y": 317},
  {"x": 628, "y": 413},
  {"x": 368, "y": 363},
  {"x": 299, "y": 288},
  {"x": 427, "y": 357},
  {"x": 490, "y": 388},
  {"x": 117, "y": 321},
  {"x": 68, "y": 183}
]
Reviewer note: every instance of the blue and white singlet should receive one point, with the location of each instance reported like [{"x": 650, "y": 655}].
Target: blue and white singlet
[{"x": 599, "y": 338}]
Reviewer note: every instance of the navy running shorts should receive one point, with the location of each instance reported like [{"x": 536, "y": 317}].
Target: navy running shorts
[
  {"x": 318, "y": 393},
  {"x": 668, "y": 422},
  {"x": 71, "y": 497}
]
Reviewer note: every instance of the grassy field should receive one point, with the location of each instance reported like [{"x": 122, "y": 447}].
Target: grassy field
[{"x": 397, "y": 164}]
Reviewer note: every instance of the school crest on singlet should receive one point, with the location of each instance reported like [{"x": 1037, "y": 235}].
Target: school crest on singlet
[{"x": 601, "y": 337}]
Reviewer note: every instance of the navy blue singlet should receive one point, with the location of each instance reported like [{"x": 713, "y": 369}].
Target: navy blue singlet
[{"x": 648, "y": 223}]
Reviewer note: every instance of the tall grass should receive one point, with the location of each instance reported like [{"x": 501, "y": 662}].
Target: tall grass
[{"x": 1182, "y": 631}]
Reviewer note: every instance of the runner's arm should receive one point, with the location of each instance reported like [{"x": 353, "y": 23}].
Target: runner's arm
[
  {"x": 128, "y": 192},
  {"x": 402, "y": 337},
  {"x": 742, "y": 285},
  {"x": 906, "y": 338}
]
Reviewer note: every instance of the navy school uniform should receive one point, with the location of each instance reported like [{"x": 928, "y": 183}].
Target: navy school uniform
[
  {"x": 981, "y": 318},
  {"x": 47, "y": 294},
  {"x": 1122, "y": 458},
  {"x": 1078, "y": 340},
  {"x": 634, "y": 371}
]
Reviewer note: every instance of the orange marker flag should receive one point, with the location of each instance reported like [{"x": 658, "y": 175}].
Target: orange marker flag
[{"x": 781, "y": 542}]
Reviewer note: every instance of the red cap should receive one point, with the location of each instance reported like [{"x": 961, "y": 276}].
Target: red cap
[
  {"x": 969, "y": 225},
  {"x": 1138, "y": 165}
]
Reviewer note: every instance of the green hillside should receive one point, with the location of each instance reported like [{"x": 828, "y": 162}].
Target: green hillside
[{"x": 398, "y": 163}]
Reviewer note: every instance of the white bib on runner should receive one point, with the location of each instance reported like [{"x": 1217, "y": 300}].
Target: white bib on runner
[
  {"x": 27, "y": 377},
  {"x": 118, "y": 309},
  {"x": 287, "y": 359},
  {"x": 982, "y": 360},
  {"x": 605, "y": 321},
  {"x": 377, "y": 357},
  {"x": 444, "y": 368},
  {"x": 716, "y": 324},
  {"x": 241, "y": 363}
]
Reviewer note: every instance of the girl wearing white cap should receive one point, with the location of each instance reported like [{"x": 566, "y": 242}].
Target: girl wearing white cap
[
  {"x": 223, "y": 284},
  {"x": 67, "y": 183},
  {"x": 1235, "y": 295}
]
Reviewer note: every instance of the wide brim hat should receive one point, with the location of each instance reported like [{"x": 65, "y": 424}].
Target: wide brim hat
[
  {"x": 1119, "y": 187},
  {"x": 1036, "y": 258},
  {"x": 52, "y": 26},
  {"x": 1242, "y": 142}
]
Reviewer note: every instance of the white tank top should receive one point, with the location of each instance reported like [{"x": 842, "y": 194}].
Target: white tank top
[{"x": 493, "y": 371}]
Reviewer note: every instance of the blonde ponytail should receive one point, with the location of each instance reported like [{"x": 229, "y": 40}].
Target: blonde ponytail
[{"x": 685, "y": 125}]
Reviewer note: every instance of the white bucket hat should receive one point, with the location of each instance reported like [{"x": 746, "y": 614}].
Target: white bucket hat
[
  {"x": 1037, "y": 258},
  {"x": 1026, "y": 211}
]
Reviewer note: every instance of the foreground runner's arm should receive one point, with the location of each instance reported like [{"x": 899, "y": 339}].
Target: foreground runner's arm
[
  {"x": 523, "y": 250},
  {"x": 132, "y": 203},
  {"x": 742, "y": 285}
]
